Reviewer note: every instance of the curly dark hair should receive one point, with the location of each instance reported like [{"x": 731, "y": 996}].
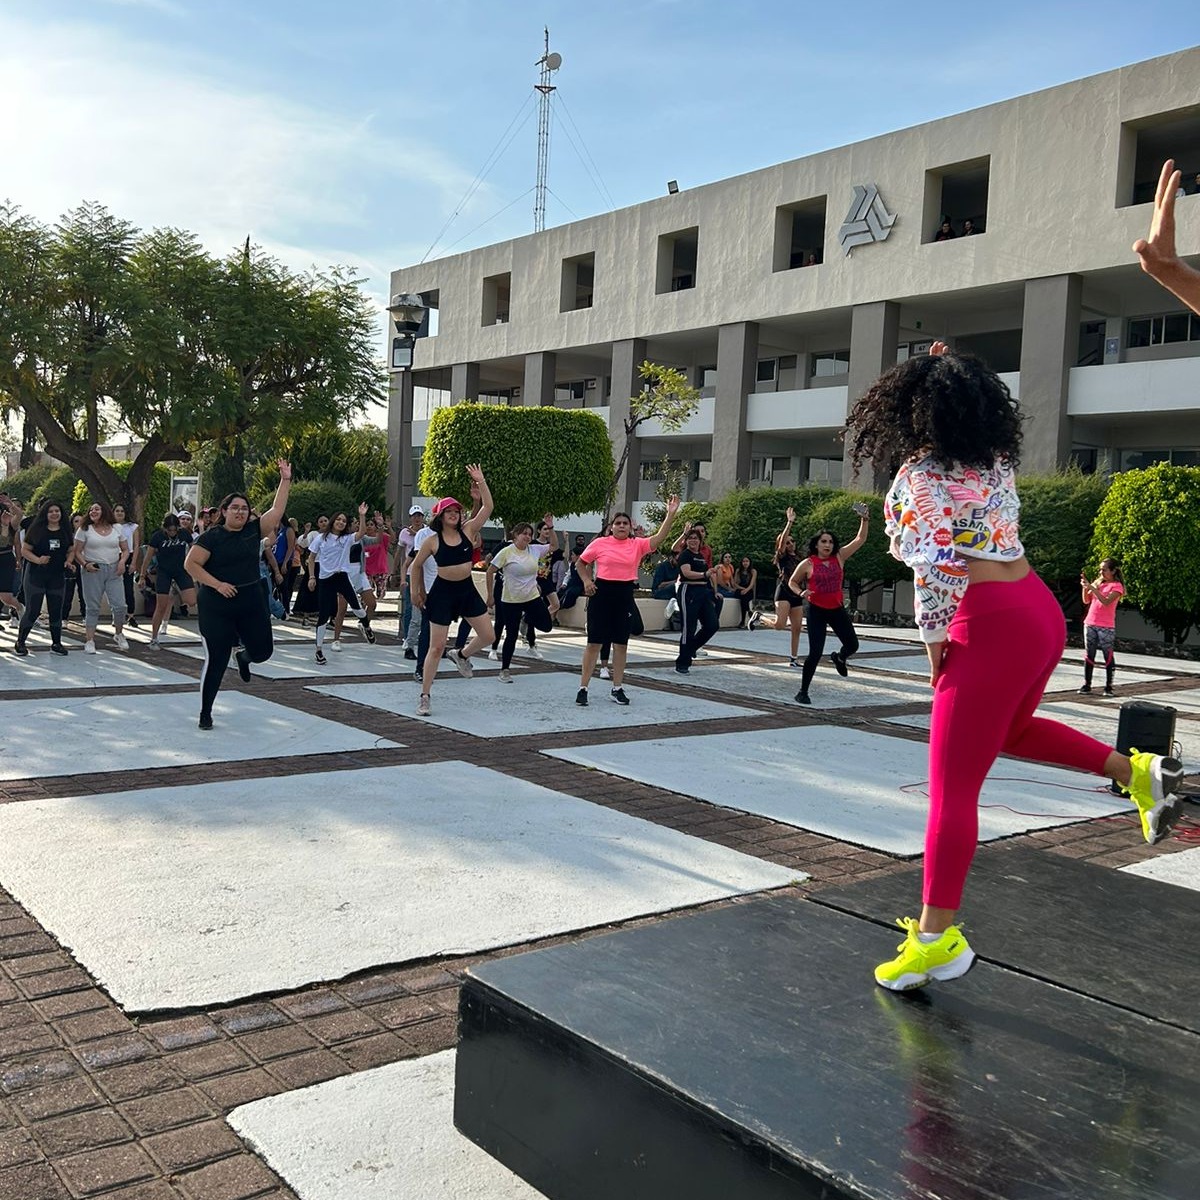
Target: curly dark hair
[
  {"x": 816, "y": 537},
  {"x": 949, "y": 405}
]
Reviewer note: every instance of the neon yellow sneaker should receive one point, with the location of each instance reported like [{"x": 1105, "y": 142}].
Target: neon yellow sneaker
[
  {"x": 919, "y": 962},
  {"x": 1154, "y": 789}
]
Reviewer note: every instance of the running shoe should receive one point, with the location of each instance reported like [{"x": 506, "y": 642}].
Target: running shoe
[
  {"x": 121, "y": 642},
  {"x": 682, "y": 670},
  {"x": 243, "y": 666},
  {"x": 336, "y": 644},
  {"x": 205, "y": 721},
  {"x": 581, "y": 697},
  {"x": 132, "y": 623},
  {"x": 1154, "y": 789},
  {"x": 700, "y": 654},
  {"x": 423, "y": 706},
  {"x": 619, "y": 697},
  {"x": 1109, "y": 692},
  {"x": 368, "y": 632},
  {"x": 89, "y": 647},
  {"x": 21, "y": 649},
  {"x": 752, "y": 624},
  {"x": 462, "y": 663},
  {"x": 1086, "y": 690},
  {"x": 320, "y": 658},
  {"x": 920, "y": 962},
  {"x": 155, "y": 644},
  {"x": 506, "y": 677},
  {"x": 839, "y": 664},
  {"x": 534, "y": 652},
  {"x": 802, "y": 698},
  {"x": 793, "y": 662},
  {"x": 493, "y": 655},
  {"x": 58, "y": 648},
  {"x": 605, "y": 673},
  {"x": 410, "y": 654}
]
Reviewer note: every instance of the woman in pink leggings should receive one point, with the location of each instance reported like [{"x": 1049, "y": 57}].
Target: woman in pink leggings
[{"x": 991, "y": 627}]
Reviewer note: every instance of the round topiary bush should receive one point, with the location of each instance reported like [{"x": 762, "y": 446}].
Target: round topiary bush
[
  {"x": 310, "y": 498},
  {"x": 58, "y": 485},
  {"x": 21, "y": 485}
]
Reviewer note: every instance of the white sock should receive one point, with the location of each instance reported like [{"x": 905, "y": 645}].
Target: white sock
[
  {"x": 320, "y": 636},
  {"x": 928, "y": 938}
]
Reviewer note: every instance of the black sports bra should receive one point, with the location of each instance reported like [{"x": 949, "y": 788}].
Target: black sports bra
[{"x": 452, "y": 556}]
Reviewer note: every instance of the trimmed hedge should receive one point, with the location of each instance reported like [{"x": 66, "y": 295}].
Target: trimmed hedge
[
  {"x": 536, "y": 460},
  {"x": 59, "y": 485},
  {"x": 1057, "y": 515},
  {"x": 311, "y": 498},
  {"x": 21, "y": 485}
]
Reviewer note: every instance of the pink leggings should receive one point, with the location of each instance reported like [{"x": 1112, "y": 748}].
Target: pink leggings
[{"x": 1004, "y": 641}]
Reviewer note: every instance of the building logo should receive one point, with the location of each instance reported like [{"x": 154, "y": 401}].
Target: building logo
[{"x": 867, "y": 221}]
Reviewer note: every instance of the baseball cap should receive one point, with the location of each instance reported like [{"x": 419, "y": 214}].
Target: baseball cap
[
  {"x": 416, "y": 508},
  {"x": 444, "y": 503}
]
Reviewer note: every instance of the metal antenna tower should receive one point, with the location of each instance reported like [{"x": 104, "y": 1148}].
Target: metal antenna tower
[{"x": 549, "y": 63}]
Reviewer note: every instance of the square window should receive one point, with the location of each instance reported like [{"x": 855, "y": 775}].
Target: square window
[
  {"x": 578, "y": 281},
  {"x": 677, "y": 256},
  {"x": 497, "y": 290},
  {"x": 1147, "y": 143},
  {"x": 765, "y": 371},
  {"x": 956, "y": 200},
  {"x": 799, "y": 234}
]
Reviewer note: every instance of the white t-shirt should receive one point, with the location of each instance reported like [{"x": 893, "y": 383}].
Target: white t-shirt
[
  {"x": 127, "y": 532},
  {"x": 429, "y": 570},
  {"x": 333, "y": 552},
  {"x": 520, "y": 569},
  {"x": 98, "y": 547}
]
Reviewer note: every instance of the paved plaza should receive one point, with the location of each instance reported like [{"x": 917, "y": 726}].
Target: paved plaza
[{"x": 230, "y": 962}]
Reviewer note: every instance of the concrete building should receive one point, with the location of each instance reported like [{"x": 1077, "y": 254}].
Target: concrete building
[{"x": 785, "y": 291}]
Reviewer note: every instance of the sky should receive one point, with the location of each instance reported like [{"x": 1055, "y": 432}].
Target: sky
[{"x": 356, "y": 132}]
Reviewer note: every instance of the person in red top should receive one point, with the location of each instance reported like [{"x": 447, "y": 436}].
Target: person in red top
[
  {"x": 610, "y": 594},
  {"x": 1102, "y": 595},
  {"x": 818, "y": 579}
]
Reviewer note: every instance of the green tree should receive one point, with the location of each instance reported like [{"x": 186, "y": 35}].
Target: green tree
[
  {"x": 668, "y": 398},
  {"x": 58, "y": 485},
  {"x": 1058, "y": 512},
  {"x": 106, "y": 329},
  {"x": 310, "y": 498},
  {"x": 748, "y": 520},
  {"x": 22, "y": 484},
  {"x": 355, "y": 459},
  {"x": 158, "y": 498},
  {"x": 1148, "y": 524},
  {"x": 537, "y": 460}
]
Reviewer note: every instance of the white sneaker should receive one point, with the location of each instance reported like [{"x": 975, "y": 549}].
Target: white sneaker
[
  {"x": 121, "y": 642},
  {"x": 605, "y": 673},
  {"x": 154, "y": 644},
  {"x": 336, "y": 644},
  {"x": 423, "y": 708},
  {"x": 533, "y": 652},
  {"x": 506, "y": 677},
  {"x": 89, "y": 647},
  {"x": 493, "y": 656}
]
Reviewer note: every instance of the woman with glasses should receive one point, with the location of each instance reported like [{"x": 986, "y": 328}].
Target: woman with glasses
[{"x": 233, "y": 603}]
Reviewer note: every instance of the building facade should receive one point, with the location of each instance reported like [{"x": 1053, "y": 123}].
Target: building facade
[{"x": 784, "y": 292}]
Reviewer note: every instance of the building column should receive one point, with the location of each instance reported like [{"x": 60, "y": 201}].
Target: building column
[
  {"x": 737, "y": 357},
  {"x": 874, "y": 337},
  {"x": 626, "y": 382},
  {"x": 1049, "y": 349},
  {"x": 1114, "y": 331},
  {"x": 464, "y": 382},
  {"x": 400, "y": 484},
  {"x": 538, "y": 388}
]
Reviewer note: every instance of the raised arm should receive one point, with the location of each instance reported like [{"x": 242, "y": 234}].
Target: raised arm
[
  {"x": 669, "y": 520},
  {"x": 1156, "y": 250},
  {"x": 791, "y": 516},
  {"x": 480, "y": 515},
  {"x": 864, "y": 522},
  {"x": 269, "y": 521}
]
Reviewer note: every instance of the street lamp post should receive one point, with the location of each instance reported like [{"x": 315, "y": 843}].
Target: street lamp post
[{"x": 408, "y": 313}]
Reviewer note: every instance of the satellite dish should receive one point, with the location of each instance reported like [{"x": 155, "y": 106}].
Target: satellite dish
[{"x": 553, "y": 61}]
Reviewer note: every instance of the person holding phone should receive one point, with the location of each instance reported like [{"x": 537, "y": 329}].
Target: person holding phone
[{"x": 1101, "y": 595}]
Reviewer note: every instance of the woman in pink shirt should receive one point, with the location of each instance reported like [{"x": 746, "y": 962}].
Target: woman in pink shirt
[
  {"x": 1102, "y": 596},
  {"x": 610, "y": 593}
]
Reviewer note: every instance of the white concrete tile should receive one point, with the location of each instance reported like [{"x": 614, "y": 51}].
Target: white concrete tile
[
  {"x": 1065, "y": 677},
  {"x": 357, "y": 658},
  {"x": 107, "y": 669},
  {"x": 378, "y": 1135},
  {"x": 194, "y": 896},
  {"x": 778, "y": 682},
  {"x": 770, "y": 641},
  {"x": 70, "y": 735},
  {"x": 864, "y": 788},
  {"x": 187, "y": 633},
  {"x": 567, "y": 650},
  {"x": 534, "y": 703},
  {"x": 1181, "y": 869},
  {"x": 1098, "y": 720}
]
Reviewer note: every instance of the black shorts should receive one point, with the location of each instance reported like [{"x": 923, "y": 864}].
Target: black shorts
[
  {"x": 783, "y": 593},
  {"x": 164, "y": 577},
  {"x": 8, "y": 570},
  {"x": 609, "y": 612},
  {"x": 450, "y": 598}
]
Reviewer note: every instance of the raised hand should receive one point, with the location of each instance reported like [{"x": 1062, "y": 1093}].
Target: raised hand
[
  {"x": 673, "y": 506},
  {"x": 860, "y": 509},
  {"x": 476, "y": 472},
  {"x": 938, "y": 349},
  {"x": 285, "y": 471},
  {"x": 790, "y": 514},
  {"x": 1157, "y": 248},
  {"x": 362, "y": 509}
]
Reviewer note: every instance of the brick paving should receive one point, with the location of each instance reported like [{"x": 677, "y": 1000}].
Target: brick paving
[{"x": 97, "y": 1103}]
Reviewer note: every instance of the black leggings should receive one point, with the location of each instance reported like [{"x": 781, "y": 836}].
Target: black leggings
[
  {"x": 837, "y": 619},
  {"x": 329, "y": 588},
  {"x": 746, "y": 600},
  {"x": 224, "y": 622},
  {"x": 534, "y": 611},
  {"x": 35, "y": 593},
  {"x": 698, "y": 610}
]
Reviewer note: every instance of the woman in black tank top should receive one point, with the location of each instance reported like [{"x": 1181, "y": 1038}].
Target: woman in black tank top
[
  {"x": 789, "y": 608},
  {"x": 453, "y": 593}
]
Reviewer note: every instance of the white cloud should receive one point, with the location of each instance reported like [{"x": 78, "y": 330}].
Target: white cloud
[{"x": 163, "y": 140}]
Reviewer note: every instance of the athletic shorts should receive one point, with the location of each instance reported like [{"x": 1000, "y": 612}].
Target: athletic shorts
[
  {"x": 609, "y": 612},
  {"x": 359, "y": 581},
  {"x": 8, "y": 571},
  {"x": 451, "y": 598},
  {"x": 165, "y": 576},
  {"x": 783, "y": 594}
]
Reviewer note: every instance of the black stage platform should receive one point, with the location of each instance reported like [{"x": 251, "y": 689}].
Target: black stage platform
[
  {"x": 1120, "y": 938},
  {"x": 746, "y": 1053}
]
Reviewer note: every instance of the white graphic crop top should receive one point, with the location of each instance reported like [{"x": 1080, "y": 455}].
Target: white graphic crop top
[{"x": 938, "y": 515}]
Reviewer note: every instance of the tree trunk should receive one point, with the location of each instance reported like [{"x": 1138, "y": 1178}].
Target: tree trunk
[{"x": 29, "y": 452}]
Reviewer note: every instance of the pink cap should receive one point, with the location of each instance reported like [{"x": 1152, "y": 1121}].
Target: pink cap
[{"x": 444, "y": 503}]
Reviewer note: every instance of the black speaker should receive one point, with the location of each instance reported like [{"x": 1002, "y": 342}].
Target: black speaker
[{"x": 1149, "y": 727}]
